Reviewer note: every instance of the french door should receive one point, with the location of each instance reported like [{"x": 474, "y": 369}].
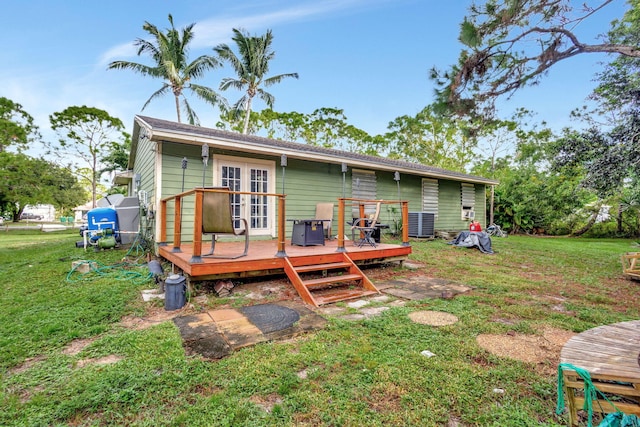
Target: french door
[{"x": 249, "y": 176}]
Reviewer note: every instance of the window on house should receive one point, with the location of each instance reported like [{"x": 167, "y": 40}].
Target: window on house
[
  {"x": 430, "y": 196},
  {"x": 468, "y": 200},
  {"x": 363, "y": 186}
]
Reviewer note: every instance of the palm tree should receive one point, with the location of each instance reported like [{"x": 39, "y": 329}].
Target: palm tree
[
  {"x": 169, "y": 52},
  {"x": 251, "y": 68}
]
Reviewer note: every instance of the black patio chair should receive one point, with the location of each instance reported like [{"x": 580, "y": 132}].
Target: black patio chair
[{"x": 365, "y": 227}]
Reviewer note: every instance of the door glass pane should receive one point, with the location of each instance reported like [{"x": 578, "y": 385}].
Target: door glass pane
[
  {"x": 231, "y": 178},
  {"x": 259, "y": 184}
]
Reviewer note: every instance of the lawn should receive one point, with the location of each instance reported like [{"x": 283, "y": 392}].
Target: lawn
[{"x": 351, "y": 373}]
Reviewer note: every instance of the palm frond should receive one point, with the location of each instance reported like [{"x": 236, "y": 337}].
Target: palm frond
[
  {"x": 191, "y": 115},
  {"x": 162, "y": 91},
  {"x": 277, "y": 79},
  {"x": 266, "y": 97},
  {"x": 209, "y": 95},
  {"x": 229, "y": 82}
]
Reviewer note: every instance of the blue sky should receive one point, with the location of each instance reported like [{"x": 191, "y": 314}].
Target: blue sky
[{"x": 368, "y": 57}]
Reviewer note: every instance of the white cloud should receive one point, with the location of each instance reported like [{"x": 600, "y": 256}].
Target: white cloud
[
  {"x": 213, "y": 31},
  {"x": 125, "y": 50}
]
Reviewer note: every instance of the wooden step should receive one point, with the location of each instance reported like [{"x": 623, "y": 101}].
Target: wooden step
[
  {"x": 323, "y": 282},
  {"x": 321, "y": 267},
  {"x": 340, "y": 294},
  {"x": 351, "y": 284}
]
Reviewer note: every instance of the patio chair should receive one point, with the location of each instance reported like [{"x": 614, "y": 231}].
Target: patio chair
[
  {"x": 217, "y": 219},
  {"x": 324, "y": 211},
  {"x": 365, "y": 227}
]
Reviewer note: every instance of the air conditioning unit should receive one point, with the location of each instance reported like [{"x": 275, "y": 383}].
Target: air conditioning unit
[
  {"x": 468, "y": 214},
  {"x": 421, "y": 224}
]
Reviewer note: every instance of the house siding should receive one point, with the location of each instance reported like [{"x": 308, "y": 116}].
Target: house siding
[
  {"x": 307, "y": 183},
  {"x": 307, "y": 180},
  {"x": 145, "y": 166}
]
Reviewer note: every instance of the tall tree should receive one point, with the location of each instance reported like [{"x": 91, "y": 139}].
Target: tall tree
[
  {"x": 432, "y": 139},
  {"x": 86, "y": 135},
  {"x": 169, "y": 52},
  {"x": 251, "y": 68},
  {"x": 326, "y": 127},
  {"x": 26, "y": 180},
  {"x": 510, "y": 44},
  {"x": 17, "y": 127}
]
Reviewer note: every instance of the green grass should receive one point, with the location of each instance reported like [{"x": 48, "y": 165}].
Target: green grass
[{"x": 368, "y": 372}]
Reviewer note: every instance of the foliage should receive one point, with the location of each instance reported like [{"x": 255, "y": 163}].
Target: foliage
[
  {"x": 251, "y": 68},
  {"x": 432, "y": 139},
  {"x": 349, "y": 373},
  {"x": 87, "y": 135},
  {"x": 17, "y": 127},
  {"x": 325, "y": 127},
  {"x": 511, "y": 44},
  {"x": 25, "y": 180},
  {"x": 169, "y": 52},
  {"x": 608, "y": 152},
  {"x": 531, "y": 197}
]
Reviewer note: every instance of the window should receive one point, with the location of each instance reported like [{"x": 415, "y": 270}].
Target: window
[
  {"x": 467, "y": 200},
  {"x": 430, "y": 196},
  {"x": 363, "y": 186}
]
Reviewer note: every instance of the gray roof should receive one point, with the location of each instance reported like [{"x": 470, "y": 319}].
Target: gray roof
[{"x": 158, "y": 128}]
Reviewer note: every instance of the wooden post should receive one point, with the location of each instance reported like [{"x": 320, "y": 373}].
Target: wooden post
[
  {"x": 341, "y": 226},
  {"x": 177, "y": 225},
  {"x": 281, "y": 227},
  {"x": 163, "y": 223},
  {"x": 197, "y": 227},
  {"x": 405, "y": 223}
]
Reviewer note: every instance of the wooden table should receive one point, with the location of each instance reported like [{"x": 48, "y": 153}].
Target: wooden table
[{"x": 611, "y": 356}]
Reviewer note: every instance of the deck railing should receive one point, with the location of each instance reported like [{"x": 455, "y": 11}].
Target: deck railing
[
  {"x": 198, "y": 193},
  {"x": 361, "y": 204}
]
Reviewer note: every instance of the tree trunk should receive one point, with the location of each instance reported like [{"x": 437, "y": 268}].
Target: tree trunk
[
  {"x": 245, "y": 128},
  {"x": 588, "y": 225},
  {"x": 619, "y": 218},
  {"x": 178, "y": 107}
]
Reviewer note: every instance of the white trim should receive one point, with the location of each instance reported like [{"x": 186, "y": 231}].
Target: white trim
[
  {"x": 246, "y": 163},
  {"x": 158, "y": 181}
]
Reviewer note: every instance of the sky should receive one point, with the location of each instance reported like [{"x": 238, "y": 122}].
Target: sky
[{"x": 370, "y": 58}]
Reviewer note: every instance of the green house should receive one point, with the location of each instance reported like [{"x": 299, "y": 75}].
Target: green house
[{"x": 168, "y": 158}]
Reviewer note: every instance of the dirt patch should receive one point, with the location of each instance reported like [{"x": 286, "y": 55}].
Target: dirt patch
[
  {"x": 154, "y": 316},
  {"x": 26, "y": 365},
  {"x": 107, "y": 360},
  {"x": 267, "y": 402},
  {"x": 76, "y": 346},
  {"x": 527, "y": 348},
  {"x": 433, "y": 318}
]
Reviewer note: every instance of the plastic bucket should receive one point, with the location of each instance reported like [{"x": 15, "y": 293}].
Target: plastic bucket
[{"x": 174, "y": 292}]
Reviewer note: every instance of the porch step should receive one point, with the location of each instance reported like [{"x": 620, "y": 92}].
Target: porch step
[
  {"x": 336, "y": 295},
  {"x": 324, "y": 282},
  {"x": 341, "y": 280},
  {"x": 322, "y": 267}
]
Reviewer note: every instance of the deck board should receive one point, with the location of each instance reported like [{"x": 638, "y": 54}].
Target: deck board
[
  {"x": 262, "y": 259},
  {"x": 611, "y": 355}
]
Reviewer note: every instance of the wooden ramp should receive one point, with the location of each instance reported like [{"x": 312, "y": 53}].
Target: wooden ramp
[{"x": 328, "y": 279}]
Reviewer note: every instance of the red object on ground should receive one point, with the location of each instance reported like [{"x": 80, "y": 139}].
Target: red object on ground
[{"x": 475, "y": 226}]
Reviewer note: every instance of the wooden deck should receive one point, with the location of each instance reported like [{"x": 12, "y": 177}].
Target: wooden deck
[
  {"x": 321, "y": 274},
  {"x": 611, "y": 355},
  {"x": 262, "y": 259}
]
